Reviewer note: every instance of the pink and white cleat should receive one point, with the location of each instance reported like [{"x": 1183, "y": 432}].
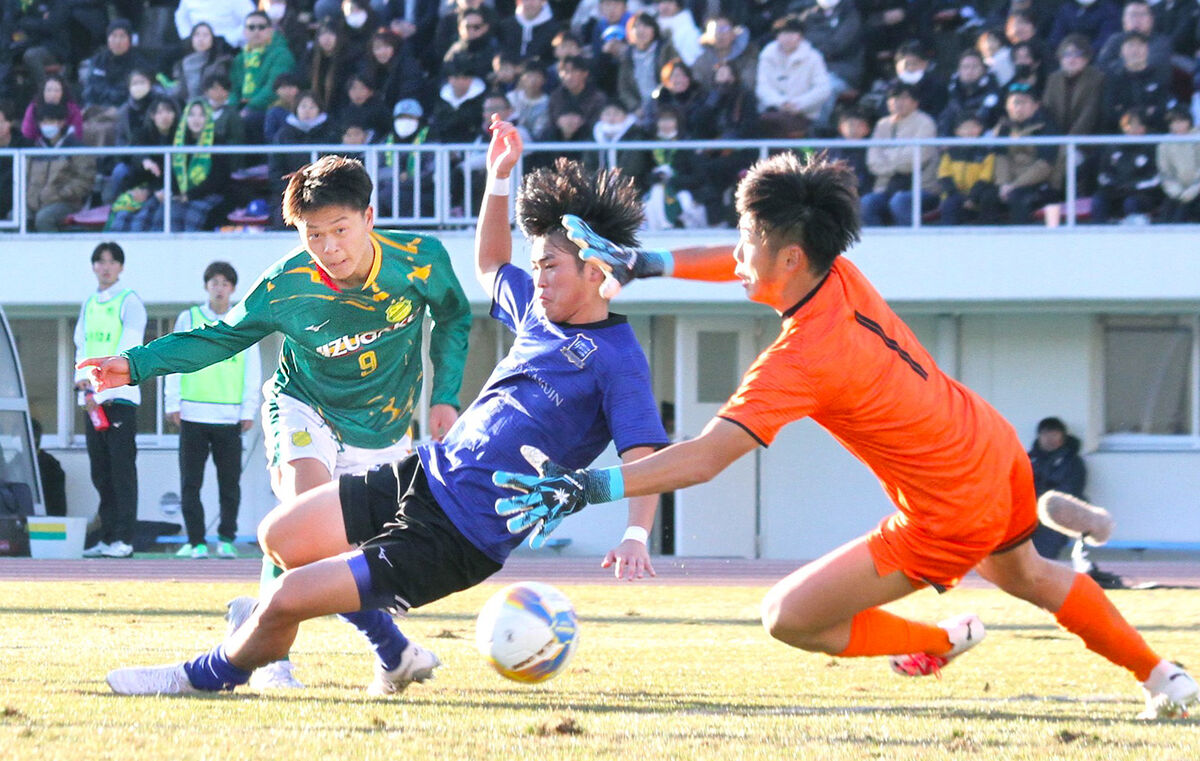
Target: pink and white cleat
[{"x": 965, "y": 632}]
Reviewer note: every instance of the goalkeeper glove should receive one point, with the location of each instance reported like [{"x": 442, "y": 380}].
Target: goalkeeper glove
[{"x": 620, "y": 263}]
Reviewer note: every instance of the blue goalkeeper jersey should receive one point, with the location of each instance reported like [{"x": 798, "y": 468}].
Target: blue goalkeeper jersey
[{"x": 566, "y": 389}]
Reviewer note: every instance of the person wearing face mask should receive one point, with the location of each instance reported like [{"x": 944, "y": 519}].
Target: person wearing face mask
[
  {"x": 914, "y": 68},
  {"x": 1095, "y": 19},
  {"x": 834, "y": 27},
  {"x": 56, "y": 185},
  {"x": 359, "y": 22},
  {"x": 136, "y": 108},
  {"x": 291, "y": 21},
  {"x": 617, "y": 125},
  {"x": 223, "y": 16},
  {"x": 408, "y": 128}
]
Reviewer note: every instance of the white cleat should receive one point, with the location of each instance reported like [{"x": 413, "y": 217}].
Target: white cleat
[
  {"x": 237, "y": 611},
  {"x": 97, "y": 550},
  {"x": 965, "y": 632},
  {"x": 1170, "y": 691},
  {"x": 275, "y": 676},
  {"x": 170, "y": 679},
  {"x": 416, "y": 665}
]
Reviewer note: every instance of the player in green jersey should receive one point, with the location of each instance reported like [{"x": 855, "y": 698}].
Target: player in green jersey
[{"x": 349, "y": 302}]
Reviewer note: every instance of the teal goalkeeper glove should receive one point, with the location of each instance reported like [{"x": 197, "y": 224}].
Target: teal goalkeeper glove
[
  {"x": 552, "y": 494},
  {"x": 620, "y": 263}
]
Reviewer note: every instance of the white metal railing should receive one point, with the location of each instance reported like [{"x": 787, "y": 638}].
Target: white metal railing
[{"x": 384, "y": 163}]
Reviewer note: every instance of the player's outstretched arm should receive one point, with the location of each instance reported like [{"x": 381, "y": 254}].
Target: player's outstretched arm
[
  {"x": 493, "y": 237},
  {"x": 106, "y": 372},
  {"x": 631, "y": 558},
  {"x": 624, "y": 263}
]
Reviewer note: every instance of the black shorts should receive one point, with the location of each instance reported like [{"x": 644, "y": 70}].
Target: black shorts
[{"x": 412, "y": 549}]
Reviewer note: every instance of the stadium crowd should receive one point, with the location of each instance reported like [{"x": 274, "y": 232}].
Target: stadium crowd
[{"x": 407, "y": 72}]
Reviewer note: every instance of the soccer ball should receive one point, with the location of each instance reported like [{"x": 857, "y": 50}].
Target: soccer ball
[{"x": 527, "y": 631}]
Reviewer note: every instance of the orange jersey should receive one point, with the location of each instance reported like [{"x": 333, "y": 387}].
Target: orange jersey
[{"x": 945, "y": 457}]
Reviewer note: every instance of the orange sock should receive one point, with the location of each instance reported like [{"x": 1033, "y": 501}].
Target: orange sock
[
  {"x": 1090, "y": 615},
  {"x": 713, "y": 265},
  {"x": 877, "y": 632}
]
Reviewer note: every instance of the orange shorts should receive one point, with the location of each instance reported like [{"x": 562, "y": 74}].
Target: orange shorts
[{"x": 937, "y": 552}]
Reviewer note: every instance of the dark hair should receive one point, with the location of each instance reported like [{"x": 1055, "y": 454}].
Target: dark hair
[
  {"x": 1135, "y": 37},
  {"x": 9, "y": 109},
  {"x": 309, "y": 94},
  {"x": 577, "y": 62},
  {"x": 1051, "y": 424},
  {"x": 1173, "y": 115},
  {"x": 1024, "y": 15},
  {"x": 812, "y": 202},
  {"x": 224, "y": 269},
  {"x": 285, "y": 79},
  {"x": 328, "y": 181},
  {"x": 606, "y": 199},
  {"x": 642, "y": 17},
  {"x": 970, "y": 53},
  {"x": 788, "y": 23},
  {"x": 673, "y": 65},
  {"x": 261, "y": 14},
  {"x": 113, "y": 248},
  {"x": 216, "y": 78},
  {"x": 1078, "y": 41},
  {"x": 53, "y": 111}
]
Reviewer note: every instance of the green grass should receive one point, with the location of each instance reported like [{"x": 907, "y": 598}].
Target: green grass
[{"x": 661, "y": 673}]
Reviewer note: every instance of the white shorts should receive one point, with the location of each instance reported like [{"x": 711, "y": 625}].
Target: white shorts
[{"x": 294, "y": 431}]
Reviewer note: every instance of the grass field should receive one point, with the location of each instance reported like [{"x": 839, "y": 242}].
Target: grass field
[{"x": 662, "y": 672}]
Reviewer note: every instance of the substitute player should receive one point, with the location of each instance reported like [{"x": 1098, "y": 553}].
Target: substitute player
[
  {"x": 349, "y": 302},
  {"x": 952, "y": 466},
  {"x": 574, "y": 380}
]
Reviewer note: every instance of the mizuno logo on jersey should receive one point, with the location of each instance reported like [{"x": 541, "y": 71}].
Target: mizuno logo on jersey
[{"x": 340, "y": 347}]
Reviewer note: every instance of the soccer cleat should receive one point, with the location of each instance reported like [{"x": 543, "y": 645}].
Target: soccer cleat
[
  {"x": 226, "y": 550},
  {"x": 118, "y": 549},
  {"x": 185, "y": 551},
  {"x": 237, "y": 611},
  {"x": 965, "y": 632},
  {"x": 416, "y": 665},
  {"x": 97, "y": 550},
  {"x": 1169, "y": 692},
  {"x": 275, "y": 676},
  {"x": 199, "y": 552},
  {"x": 170, "y": 679}
]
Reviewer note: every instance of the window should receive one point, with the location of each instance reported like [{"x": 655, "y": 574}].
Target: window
[{"x": 1150, "y": 379}]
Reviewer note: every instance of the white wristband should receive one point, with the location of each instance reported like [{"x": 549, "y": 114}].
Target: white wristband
[
  {"x": 499, "y": 187},
  {"x": 637, "y": 534}
]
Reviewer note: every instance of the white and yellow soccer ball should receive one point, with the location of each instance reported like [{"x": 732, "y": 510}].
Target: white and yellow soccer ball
[{"x": 527, "y": 631}]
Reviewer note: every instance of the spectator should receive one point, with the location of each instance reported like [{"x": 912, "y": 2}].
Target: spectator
[
  {"x": 891, "y": 200},
  {"x": 792, "y": 84},
  {"x": 617, "y": 125},
  {"x": 359, "y": 23},
  {"x": 135, "y": 111},
  {"x": 1058, "y": 466},
  {"x": 392, "y": 68},
  {"x": 207, "y": 54},
  {"x": 1024, "y": 172},
  {"x": 1021, "y": 29},
  {"x": 228, "y": 126},
  {"x": 475, "y": 161},
  {"x": 1137, "y": 18},
  {"x": 365, "y": 108},
  {"x": 1095, "y": 19},
  {"x": 195, "y": 179},
  {"x": 1073, "y": 92},
  {"x": 1128, "y": 180},
  {"x": 57, "y": 186},
  {"x": 914, "y": 67},
  {"x": 1027, "y": 67},
  {"x": 611, "y": 13},
  {"x": 38, "y": 35},
  {"x": 505, "y": 69},
  {"x": 459, "y": 110},
  {"x": 308, "y": 125},
  {"x": 224, "y": 18},
  {"x": 1179, "y": 168},
  {"x": 678, "y": 27},
  {"x": 326, "y": 65},
  {"x": 641, "y": 64},
  {"x": 106, "y": 83},
  {"x": 972, "y": 91},
  {"x": 86, "y": 29},
  {"x": 413, "y": 21},
  {"x": 569, "y": 126},
  {"x": 212, "y": 408},
  {"x": 529, "y": 33},
  {"x": 575, "y": 94},
  {"x": 724, "y": 42},
  {"x": 854, "y": 123},
  {"x": 111, "y": 321},
  {"x": 678, "y": 89},
  {"x": 292, "y": 21},
  {"x": 413, "y": 170},
  {"x": 447, "y": 32},
  {"x": 1180, "y": 20},
  {"x": 967, "y": 175},
  {"x": 264, "y": 57},
  {"x": 139, "y": 178},
  {"x": 834, "y": 27},
  {"x": 566, "y": 45},
  {"x": 10, "y": 137},
  {"x": 677, "y": 175},
  {"x": 529, "y": 100},
  {"x": 1135, "y": 86},
  {"x": 476, "y": 44},
  {"x": 728, "y": 112},
  {"x": 997, "y": 55},
  {"x": 54, "y": 478},
  {"x": 287, "y": 89},
  {"x": 887, "y": 24},
  {"x": 54, "y": 90}
]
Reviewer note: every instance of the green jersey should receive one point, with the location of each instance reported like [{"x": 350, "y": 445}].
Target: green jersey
[{"x": 354, "y": 356}]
